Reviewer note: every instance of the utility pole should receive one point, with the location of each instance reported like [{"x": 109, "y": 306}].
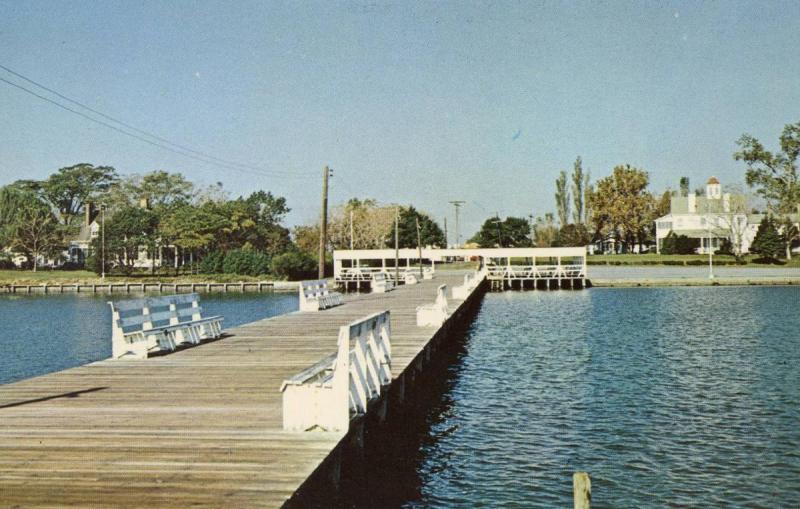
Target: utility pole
[
  {"x": 457, "y": 204},
  {"x": 419, "y": 248},
  {"x": 323, "y": 227},
  {"x": 446, "y": 242},
  {"x": 396, "y": 246}
]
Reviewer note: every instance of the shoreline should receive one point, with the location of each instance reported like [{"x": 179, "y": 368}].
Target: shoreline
[{"x": 672, "y": 282}]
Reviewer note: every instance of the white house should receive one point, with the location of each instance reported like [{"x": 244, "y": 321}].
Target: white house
[{"x": 710, "y": 219}]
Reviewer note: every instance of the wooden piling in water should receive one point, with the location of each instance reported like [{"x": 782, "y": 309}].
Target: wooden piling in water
[{"x": 582, "y": 490}]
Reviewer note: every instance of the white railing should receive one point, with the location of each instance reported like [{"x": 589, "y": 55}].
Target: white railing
[
  {"x": 365, "y": 274},
  {"x": 471, "y": 281},
  {"x": 535, "y": 271},
  {"x": 329, "y": 393},
  {"x": 143, "y": 326},
  {"x": 435, "y": 314},
  {"x": 314, "y": 295}
]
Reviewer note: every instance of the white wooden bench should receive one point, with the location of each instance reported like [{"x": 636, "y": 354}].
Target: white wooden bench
[
  {"x": 329, "y": 393},
  {"x": 381, "y": 283},
  {"x": 410, "y": 278},
  {"x": 315, "y": 295},
  {"x": 143, "y": 326},
  {"x": 435, "y": 314},
  {"x": 427, "y": 273}
]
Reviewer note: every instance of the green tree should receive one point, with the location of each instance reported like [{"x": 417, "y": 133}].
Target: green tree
[
  {"x": 430, "y": 233},
  {"x": 193, "y": 228},
  {"x": 12, "y": 202},
  {"x": 622, "y": 205},
  {"x": 126, "y": 232},
  {"x": 545, "y": 230},
  {"x": 684, "y": 186},
  {"x": 562, "y": 198},
  {"x": 572, "y": 235},
  {"x": 580, "y": 186},
  {"x": 71, "y": 188},
  {"x": 294, "y": 265},
  {"x": 35, "y": 232},
  {"x": 512, "y": 232},
  {"x": 768, "y": 242},
  {"x": 159, "y": 188},
  {"x": 774, "y": 175}
]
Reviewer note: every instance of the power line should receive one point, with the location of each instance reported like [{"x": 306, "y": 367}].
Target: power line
[{"x": 161, "y": 143}]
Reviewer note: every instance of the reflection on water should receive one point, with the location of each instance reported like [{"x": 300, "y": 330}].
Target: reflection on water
[
  {"x": 44, "y": 334},
  {"x": 675, "y": 397}
]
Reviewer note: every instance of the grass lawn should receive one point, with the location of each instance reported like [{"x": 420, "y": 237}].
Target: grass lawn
[
  {"x": 691, "y": 259},
  {"x": 54, "y": 277}
]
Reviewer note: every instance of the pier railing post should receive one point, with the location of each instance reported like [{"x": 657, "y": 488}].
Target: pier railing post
[{"x": 582, "y": 490}]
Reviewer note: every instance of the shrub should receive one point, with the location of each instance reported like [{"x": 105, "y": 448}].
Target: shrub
[
  {"x": 72, "y": 266},
  {"x": 245, "y": 262},
  {"x": 212, "y": 263},
  {"x": 6, "y": 264},
  {"x": 696, "y": 262},
  {"x": 674, "y": 262},
  {"x": 768, "y": 242},
  {"x": 678, "y": 244},
  {"x": 294, "y": 265}
]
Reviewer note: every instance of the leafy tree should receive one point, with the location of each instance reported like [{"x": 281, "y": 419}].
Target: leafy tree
[
  {"x": 545, "y": 231},
  {"x": 35, "y": 231},
  {"x": 580, "y": 186},
  {"x": 768, "y": 242},
  {"x": 430, "y": 233},
  {"x": 774, "y": 175},
  {"x": 684, "y": 186},
  {"x": 294, "y": 265},
  {"x": 513, "y": 232},
  {"x": 622, "y": 205},
  {"x": 71, "y": 188},
  {"x": 306, "y": 239},
  {"x": 192, "y": 228},
  {"x": 562, "y": 198},
  {"x": 13, "y": 200},
  {"x": 126, "y": 232},
  {"x": 572, "y": 235},
  {"x": 372, "y": 224},
  {"x": 159, "y": 188}
]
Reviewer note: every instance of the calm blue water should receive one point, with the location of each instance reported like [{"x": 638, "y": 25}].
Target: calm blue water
[
  {"x": 678, "y": 397},
  {"x": 40, "y": 335}
]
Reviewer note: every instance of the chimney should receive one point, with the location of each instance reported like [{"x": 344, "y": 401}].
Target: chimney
[
  {"x": 87, "y": 210},
  {"x": 144, "y": 203}
]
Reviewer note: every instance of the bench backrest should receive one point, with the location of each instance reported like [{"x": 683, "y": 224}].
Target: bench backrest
[
  {"x": 327, "y": 393},
  {"x": 313, "y": 289},
  {"x": 144, "y": 314},
  {"x": 379, "y": 276},
  {"x": 441, "y": 298}
]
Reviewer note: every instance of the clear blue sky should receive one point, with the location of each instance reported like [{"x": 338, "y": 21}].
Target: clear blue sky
[{"x": 411, "y": 103}]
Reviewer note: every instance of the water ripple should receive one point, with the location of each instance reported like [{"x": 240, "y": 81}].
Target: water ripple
[{"x": 678, "y": 397}]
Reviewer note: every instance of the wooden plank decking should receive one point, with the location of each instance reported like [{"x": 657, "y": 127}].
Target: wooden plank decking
[{"x": 200, "y": 427}]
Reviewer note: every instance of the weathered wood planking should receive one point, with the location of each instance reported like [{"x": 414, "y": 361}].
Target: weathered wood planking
[{"x": 200, "y": 427}]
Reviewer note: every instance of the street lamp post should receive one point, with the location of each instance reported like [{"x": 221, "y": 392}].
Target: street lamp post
[
  {"x": 710, "y": 251},
  {"x": 102, "y": 241}
]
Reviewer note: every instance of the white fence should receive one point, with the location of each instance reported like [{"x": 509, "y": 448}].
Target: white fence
[{"x": 327, "y": 394}]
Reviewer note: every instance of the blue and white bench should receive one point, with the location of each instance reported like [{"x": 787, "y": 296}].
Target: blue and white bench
[
  {"x": 159, "y": 324},
  {"x": 435, "y": 314},
  {"x": 328, "y": 394},
  {"x": 381, "y": 283},
  {"x": 315, "y": 295}
]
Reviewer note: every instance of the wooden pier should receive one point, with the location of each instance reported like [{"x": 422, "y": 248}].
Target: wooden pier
[{"x": 202, "y": 426}]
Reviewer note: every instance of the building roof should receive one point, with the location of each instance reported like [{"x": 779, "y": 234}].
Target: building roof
[{"x": 713, "y": 180}]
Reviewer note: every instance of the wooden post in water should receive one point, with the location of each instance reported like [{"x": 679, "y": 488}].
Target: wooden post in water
[{"x": 582, "y": 490}]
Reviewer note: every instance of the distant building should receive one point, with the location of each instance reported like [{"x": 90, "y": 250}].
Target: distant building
[{"x": 710, "y": 219}]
